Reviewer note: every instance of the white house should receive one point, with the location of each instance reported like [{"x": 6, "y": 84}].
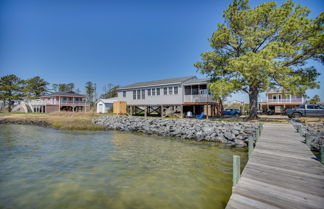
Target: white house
[
  {"x": 175, "y": 95},
  {"x": 104, "y": 105},
  {"x": 277, "y": 100}
]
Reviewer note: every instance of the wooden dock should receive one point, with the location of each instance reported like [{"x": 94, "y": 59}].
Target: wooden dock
[{"x": 281, "y": 173}]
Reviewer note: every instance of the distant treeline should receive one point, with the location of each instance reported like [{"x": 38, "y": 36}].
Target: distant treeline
[{"x": 13, "y": 88}]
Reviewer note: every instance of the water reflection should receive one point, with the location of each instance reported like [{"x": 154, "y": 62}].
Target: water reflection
[{"x": 47, "y": 168}]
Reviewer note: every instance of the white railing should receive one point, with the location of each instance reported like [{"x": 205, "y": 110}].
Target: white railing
[
  {"x": 278, "y": 101},
  {"x": 198, "y": 98}
]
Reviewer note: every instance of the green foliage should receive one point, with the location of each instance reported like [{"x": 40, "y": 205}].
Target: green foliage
[
  {"x": 262, "y": 48},
  {"x": 316, "y": 99},
  {"x": 90, "y": 91},
  {"x": 35, "y": 87},
  {"x": 110, "y": 91},
  {"x": 11, "y": 88}
]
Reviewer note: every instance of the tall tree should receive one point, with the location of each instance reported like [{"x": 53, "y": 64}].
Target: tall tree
[
  {"x": 264, "y": 47},
  {"x": 316, "y": 99},
  {"x": 35, "y": 87},
  {"x": 55, "y": 87},
  {"x": 90, "y": 90},
  {"x": 11, "y": 88},
  {"x": 70, "y": 86},
  {"x": 110, "y": 91},
  {"x": 65, "y": 87}
]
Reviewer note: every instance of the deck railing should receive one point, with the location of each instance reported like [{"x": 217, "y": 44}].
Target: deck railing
[
  {"x": 198, "y": 98},
  {"x": 278, "y": 101}
]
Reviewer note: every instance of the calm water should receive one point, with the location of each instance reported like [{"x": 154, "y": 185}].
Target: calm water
[{"x": 45, "y": 168}]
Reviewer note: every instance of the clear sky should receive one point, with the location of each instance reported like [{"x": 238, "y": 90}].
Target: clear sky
[{"x": 117, "y": 42}]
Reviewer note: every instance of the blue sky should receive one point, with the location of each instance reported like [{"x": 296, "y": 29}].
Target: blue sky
[{"x": 117, "y": 42}]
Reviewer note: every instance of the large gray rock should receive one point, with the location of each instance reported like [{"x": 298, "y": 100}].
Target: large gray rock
[{"x": 232, "y": 134}]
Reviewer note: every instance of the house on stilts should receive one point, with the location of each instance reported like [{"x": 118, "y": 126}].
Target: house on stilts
[
  {"x": 56, "y": 102},
  {"x": 169, "y": 97}
]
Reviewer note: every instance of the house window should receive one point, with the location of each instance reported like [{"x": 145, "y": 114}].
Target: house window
[
  {"x": 138, "y": 94},
  {"x": 153, "y": 92},
  {"x": 124, "y": 93},
  {"x": 143, "y": 93},
  {"x": 165, "y": 90},
  {"x": 148, "y": 92},
  {"x": 170, "y": 90},
  {"x": 187, "y": 90},
  {"x": 176, "y": 90},
  {"x": 134, "y": 94},
  {"x": 194, "y": 90},
  {"x": 158, "y": 91}
]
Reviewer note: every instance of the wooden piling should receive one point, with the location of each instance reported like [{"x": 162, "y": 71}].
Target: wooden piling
[
  {"x": 236, "y": 169},
  {"x": 298, "y": 129},
  {"x": 257, "y": 134},
  {"x": 251, "y": 141},
  {"x": 322, "y": 154},
  {"x": 307, "y": 139}
]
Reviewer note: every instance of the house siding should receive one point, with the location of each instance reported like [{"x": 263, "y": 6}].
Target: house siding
[{"x": 153, "y": 99}]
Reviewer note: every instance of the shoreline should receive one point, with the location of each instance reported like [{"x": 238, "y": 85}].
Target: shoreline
[
  {"x": 62, "y": 121},
  {"x": 234, "y": 134}
]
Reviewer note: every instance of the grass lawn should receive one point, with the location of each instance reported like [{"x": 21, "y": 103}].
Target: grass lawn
[{"x": 60, "y": 120}]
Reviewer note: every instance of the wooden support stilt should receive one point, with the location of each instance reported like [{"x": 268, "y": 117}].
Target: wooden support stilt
[
  {"x": 181, "y": 111},
  {"x": 162, "y": 112},
  {"x": 207, "y": 107},
  {"x": 145, "y": 111}
]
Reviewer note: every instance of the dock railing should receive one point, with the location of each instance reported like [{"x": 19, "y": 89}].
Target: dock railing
[{"x": 236, "y": 159}]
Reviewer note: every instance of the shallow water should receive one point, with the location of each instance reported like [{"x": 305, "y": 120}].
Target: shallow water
[{"x": 46, "y": 168}]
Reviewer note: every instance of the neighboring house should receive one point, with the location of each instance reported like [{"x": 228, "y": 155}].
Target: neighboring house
[
  {"x": 104, "y": 105},
  {"x": 169, "y": 96},
  {"x": 277, "y": 101},
  {"x": 56, "y": 102}
]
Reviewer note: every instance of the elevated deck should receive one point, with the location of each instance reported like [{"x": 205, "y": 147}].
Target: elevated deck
[{"x": 281, "y": 173}]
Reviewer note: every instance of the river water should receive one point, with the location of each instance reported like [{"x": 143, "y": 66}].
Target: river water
[{"x": 44, "y": 168}]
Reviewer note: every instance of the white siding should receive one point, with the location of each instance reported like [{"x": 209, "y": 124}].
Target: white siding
[{"x": 153, "y": 100}]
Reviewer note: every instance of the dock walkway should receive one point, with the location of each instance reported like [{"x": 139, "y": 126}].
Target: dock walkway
[{"x": 281, "y": 173}]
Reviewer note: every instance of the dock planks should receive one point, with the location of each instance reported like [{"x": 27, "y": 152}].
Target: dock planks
[{"x": 281, "y": 173}]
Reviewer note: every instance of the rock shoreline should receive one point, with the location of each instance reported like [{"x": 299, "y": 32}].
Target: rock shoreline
[
  {"x": 233, "y": 134},
  {"x": 316, "y": 134}
]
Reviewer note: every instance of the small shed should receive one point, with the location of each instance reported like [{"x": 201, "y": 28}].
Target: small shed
[{"x": 104, "y": 105}]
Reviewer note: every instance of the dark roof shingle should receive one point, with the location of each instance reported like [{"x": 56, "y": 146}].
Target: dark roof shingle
[
  {"x": 158, "y": 82},
  {"x": 61, "y": 93}
]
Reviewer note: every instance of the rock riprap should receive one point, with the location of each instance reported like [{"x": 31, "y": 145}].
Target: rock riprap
[
  {"x": 316, "y": 132},
  {"x": 234, "y": 134}
]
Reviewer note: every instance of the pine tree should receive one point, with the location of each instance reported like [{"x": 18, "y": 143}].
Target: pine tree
[
  {"x": 11, "y": 88},
  {"x": 259, "y": 48}
]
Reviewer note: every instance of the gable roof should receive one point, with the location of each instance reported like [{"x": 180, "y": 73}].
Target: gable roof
[
  {"x": 158, "y": 82},
  {"x": 61, "y": 93},
  {"x": 197, "y": 81},
  {"x": 110, "y": 100}
]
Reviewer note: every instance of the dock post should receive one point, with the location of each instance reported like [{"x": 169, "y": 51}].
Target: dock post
[
  {"x": 307, "y": 140},
  {"x": 250, "y": 146},
  {"x": 298, "y": 129},
  {"x": 322, "y": 154},
  {"x": 257, "y": 133},
  {"x": 236, "y": 169}
]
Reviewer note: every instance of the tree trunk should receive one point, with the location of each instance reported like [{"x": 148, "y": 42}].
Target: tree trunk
[
  {"x": 9, "y": 105},
  {"x": 253, "y": 97}
]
